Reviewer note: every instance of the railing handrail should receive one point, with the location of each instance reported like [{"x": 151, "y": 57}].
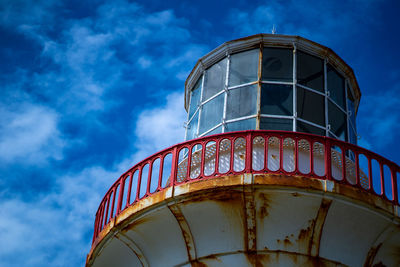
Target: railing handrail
[{"x": 107, "y": 206}]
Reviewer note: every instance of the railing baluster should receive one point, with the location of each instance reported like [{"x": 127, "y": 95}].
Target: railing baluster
[
  {"x": 249, "y": 153},
  {"x": 128, "y": 197},
  {"x": 174, "y": 167},
  {"x": 370, "y": 173},
  {"x": 121, "y": 194},
  {"x": 383, "y": 193},
  {"x": 161, "y": 172},
  {"x": 328, "y": 170},
  {"x": 343, "y": 150}
]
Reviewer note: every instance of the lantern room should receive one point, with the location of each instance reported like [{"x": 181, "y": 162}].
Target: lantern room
[{"x": 272, "y": 82}]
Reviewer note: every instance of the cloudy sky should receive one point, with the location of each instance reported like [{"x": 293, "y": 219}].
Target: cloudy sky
[{"x": 88, "y": 88}]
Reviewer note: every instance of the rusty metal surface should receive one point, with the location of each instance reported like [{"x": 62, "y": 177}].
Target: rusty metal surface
[
  {"x": 186, "y": 233},
  {"x": 221, "y": 207}
]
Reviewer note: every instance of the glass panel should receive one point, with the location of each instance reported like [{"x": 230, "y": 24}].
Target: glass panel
[
  {"x": 319, "y": 159},
  {"x": 241, "y": 102},
  {"x": 307, "y": 128},
  {"x": 277, "y": 99},
  {"x": 258, "y": 153},
  {"x": 214, "y": 79},
  {"x": 310, "y": 106},
  {"x": 195, "y": 161},
  {"x": 182, "y": 165},
  {"x": 144, "y": 181},
  {"x": 337, "y": 120},
  {"x": 239, "y": 155},
  {"x": 276, "y": 124},
  {"x": 166, "y": 175},
  {"x": 249, "y": 124},
  {"x": 209, "y": 158},
  {"x": 192, "y": 127},
  {"x": 244, "y": 67},
  {"x": 351, "y": 108},
  {"x": 304, "y": 153},
  {"x": 288, "y": 154},
  {"x": 155, "y": 171},
  {"x": 211, "y": 113},
  {"x": 273, "y": 154},
  {"x": 195, "y": 98},
  {"x": 310, "y": 71},
  {"x": 336, "y": 86},
  {"x": 277, "y": 64},
  {"x": 224, "y": 156}
]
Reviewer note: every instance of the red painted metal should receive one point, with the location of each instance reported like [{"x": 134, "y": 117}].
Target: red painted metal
[{"x": 248, "y": 136}]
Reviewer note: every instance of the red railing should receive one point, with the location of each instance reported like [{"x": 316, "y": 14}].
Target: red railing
[{"x": 233, "y": 153}]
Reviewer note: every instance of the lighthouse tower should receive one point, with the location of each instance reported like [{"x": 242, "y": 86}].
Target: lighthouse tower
[{"x": 270, "y": 173}]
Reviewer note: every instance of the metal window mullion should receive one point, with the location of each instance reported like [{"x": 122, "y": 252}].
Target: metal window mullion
[
  {"x": 277, "y": 82},
  {"x": 276, "y": 116},
  {"x": 259, "y": 74},
  {"x": 194, "y": 114},
  {"x": 326, "y": 97},
  {"x": 210, "y": 130},
  {"x": 312, "y": 124},
  {"x": 241, "y": 85},
  {"x": 201, "y": 105},
  {"x": 337, "y": 105},
  {"x": 213, "y": 97},
  {"x": 228, "y": 63},
  {"x": 347, "y": 112},
  {"x": 241, "y": 118},
  {"x": 311, "y": 90},
  {"x": 294, "y": 87}
]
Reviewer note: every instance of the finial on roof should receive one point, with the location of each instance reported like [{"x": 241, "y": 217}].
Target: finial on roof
[{"x": 273, "y": 29}]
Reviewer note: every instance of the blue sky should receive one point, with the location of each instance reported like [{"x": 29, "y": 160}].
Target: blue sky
[{"x": 88, "y": 88}]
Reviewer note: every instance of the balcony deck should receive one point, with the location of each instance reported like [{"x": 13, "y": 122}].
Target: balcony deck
[{"x": 274, "y": 156}]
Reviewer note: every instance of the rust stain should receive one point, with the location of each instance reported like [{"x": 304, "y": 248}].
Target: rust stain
[
  {"x": 222, "y": 195},
  {"x": 198, "y": 264},
  {"x": 185, "y": 229},
  {"x": 318, "y": 224},
  {"x": 203, "y": 261},
  {"x": 285, "y": 180},
  {"x": 379, "y": 264},
  {"x": 250, "y": 237},
  {"x": 133, "y": 224},
  {"x": 371, "y": 255},
  {"x": 264, "y": 205},
  {"x": 287, "y": 241},
  {"x": 255, "y": 259}
]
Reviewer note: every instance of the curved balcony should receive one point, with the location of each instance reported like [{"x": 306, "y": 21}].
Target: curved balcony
[{"x": 256, "y": 152}]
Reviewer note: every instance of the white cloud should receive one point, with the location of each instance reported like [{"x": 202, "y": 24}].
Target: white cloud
[
  {"x": 50, "y": 231},
  {"x": 160, "y": 127},
  {"x": 29, "y": 134}
]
